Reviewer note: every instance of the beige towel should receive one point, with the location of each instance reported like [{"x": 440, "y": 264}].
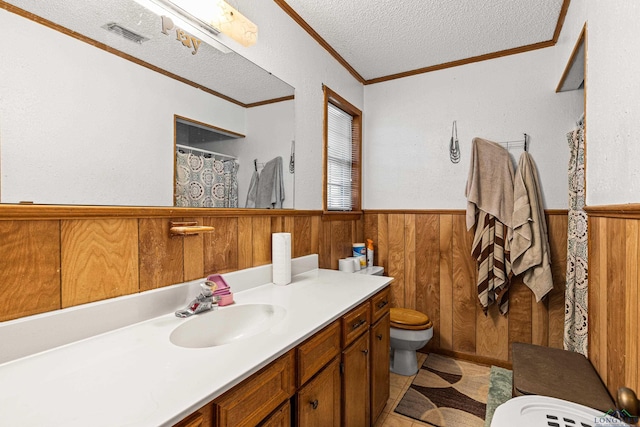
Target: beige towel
[
  {"x": 530, "y": 242},
  {"x": 490, "y": 182}
]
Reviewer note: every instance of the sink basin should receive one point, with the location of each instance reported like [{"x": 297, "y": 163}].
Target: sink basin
[{"x": 226, "y": 325}]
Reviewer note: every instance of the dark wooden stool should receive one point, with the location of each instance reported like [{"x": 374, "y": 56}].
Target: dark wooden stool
[{"x": 558, "y": 373}]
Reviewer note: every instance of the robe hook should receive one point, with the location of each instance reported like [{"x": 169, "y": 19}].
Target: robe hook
[{"x": 454, "y": 147}]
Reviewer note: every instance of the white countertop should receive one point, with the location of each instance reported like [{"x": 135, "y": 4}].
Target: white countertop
[{"x": 134, "y": 376}]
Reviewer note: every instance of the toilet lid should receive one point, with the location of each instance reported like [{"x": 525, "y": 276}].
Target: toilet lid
[{"x": 405, "y": 318}]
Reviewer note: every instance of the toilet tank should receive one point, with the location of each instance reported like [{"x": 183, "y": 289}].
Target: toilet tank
[{"x": 375, "y": 271}]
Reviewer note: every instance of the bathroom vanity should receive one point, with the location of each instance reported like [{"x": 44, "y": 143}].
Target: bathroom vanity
[{"x": 324, "y": 356}]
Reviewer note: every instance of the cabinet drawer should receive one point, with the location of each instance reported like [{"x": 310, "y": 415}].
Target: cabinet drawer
[
  {"x": 194, "y": 420},
  {"x": 355, "y": 323},
  {"x": 203, "y": 417},
  {"x": 316, "y": 352},
  {"x": 380, "y": 304},
  {"x": 252, "y": 400}
]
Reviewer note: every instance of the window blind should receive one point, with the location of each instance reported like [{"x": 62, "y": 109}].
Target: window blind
[{"x": 339, "y": 159}]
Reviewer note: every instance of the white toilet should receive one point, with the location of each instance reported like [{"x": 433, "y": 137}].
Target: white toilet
[{"x": 410, "y": 331}]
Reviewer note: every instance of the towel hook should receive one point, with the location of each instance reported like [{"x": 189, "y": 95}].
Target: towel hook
[
  {"x": 255, "y": 164},
  {"x": 525, "y": 141},
  {"x": 454, "y": 147},
  {"x": 292, "y": 159}
]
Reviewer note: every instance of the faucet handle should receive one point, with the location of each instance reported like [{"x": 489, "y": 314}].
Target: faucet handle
[{"x": 208, "y": 287}]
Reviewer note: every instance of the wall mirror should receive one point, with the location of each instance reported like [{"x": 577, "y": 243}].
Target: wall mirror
[
  {"x": 208, "y": 159},
  {"x": 88, "y": 112}
]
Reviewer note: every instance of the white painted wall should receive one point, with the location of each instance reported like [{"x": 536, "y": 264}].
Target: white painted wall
[
  {"x": 81, "y": 126},
  {"x": 287, "y": 51},
  {"x": 613, "y": 102},
  {"x": 283, "y": 49},
  {"x": 408, "y": 128},
  {"x": 270, "y": 130},
  {"x": 407, "y": 121}
]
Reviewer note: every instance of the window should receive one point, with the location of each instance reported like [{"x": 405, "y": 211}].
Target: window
[{"x": 342, "y": 142}]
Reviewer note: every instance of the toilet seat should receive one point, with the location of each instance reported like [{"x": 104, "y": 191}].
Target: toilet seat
[{"x": 405, "y": 318}]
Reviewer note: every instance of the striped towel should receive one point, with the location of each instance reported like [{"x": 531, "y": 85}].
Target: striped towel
[{"x": 491, "y": 250}]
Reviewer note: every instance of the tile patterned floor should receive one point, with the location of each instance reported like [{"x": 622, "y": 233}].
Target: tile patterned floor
[{"x": 398, "y": 385}]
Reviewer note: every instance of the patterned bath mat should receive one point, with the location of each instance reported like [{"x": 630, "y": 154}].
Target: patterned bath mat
[
  {"x": 447, "y": 393},
  {"x": 500, "y": 386}
]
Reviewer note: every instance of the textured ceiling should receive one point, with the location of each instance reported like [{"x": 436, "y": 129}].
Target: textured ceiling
[
  {"x": 376, "y": 38},
  {"x": 380, "y": 38},
  {"x": 228, "y": 74}
]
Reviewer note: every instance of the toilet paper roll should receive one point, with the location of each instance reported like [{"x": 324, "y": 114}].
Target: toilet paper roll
[
  {"x": 347, "y": 265},
  {"x": 281, "y": 258},
  {"x": 356, "y": 262}
]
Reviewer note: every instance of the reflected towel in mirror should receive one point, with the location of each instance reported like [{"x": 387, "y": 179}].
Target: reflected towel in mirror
[
  {"x": 270, "y": 192},
  {"x": 253, "y": 191}
]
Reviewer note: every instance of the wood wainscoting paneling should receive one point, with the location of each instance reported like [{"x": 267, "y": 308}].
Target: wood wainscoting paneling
[
  {"x": 429, "y": 255},
  {"x": 60, "y": 256},
  {"x": 614, "y": 298},
  {"x": 29, "y": 268},
  {"x": 53, "y": 257},
  {"x": 99, "y": 259}
]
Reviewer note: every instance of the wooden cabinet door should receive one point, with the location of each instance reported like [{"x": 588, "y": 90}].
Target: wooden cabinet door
[
  {"x": 319, "y": 400},
  {"x": 280, "y": 418},
  {"x": 380, "y": 347},
  {"x": 355, "y": 383}
]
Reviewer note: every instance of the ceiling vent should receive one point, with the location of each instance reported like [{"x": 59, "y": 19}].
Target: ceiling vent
[{"x": 124, "y": 32}]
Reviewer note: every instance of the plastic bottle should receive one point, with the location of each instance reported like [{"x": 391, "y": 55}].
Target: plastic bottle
[
  {"x": 369, "y": 253},
  {"x": 360, "y": 251}
]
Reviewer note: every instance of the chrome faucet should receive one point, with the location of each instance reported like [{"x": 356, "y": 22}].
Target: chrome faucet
[{"x": 205, "y": 301}]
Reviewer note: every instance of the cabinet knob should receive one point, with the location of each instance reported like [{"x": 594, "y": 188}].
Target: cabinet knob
[
  {"x": 379, "y": 336},
  {"x": 365, "y": 351},
  {"x": 314, "y": 404}
]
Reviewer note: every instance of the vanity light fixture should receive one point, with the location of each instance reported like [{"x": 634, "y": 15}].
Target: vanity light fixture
[
  {"x": 221, "y": 17},
  {"x": 231, "y": 22},
  {"x": 212, "y": 17},
  {"x": 185, "y": 21}
]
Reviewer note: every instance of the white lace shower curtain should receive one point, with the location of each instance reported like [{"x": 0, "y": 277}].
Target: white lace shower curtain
[
  {"x": 576, "y": 321},
  {"x": 206, "y": 182}
]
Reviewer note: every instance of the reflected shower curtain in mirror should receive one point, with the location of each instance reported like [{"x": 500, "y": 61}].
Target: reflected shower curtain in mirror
[
  {"x": 206, "y": 182},
  {"x": 576, "y": 321}
]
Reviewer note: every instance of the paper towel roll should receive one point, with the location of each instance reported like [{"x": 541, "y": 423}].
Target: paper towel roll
[
  {"x": 281, "y": 258},
  {"x": 346, "y": 265}
]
